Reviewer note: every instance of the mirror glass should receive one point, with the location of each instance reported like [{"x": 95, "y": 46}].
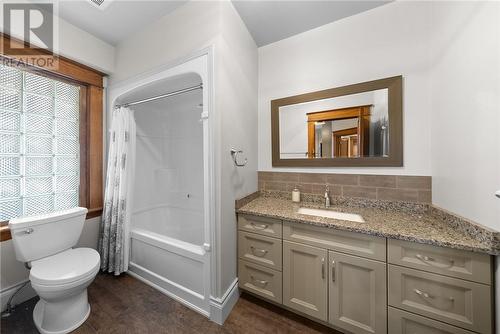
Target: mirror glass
[{"x": 348, "y": 126}]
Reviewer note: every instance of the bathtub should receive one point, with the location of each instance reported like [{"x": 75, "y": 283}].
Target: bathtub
[
  {"x": 172, "y": 224},
  {"x": 166, "y": 252}
]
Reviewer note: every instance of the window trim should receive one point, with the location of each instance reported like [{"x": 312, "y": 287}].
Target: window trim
[{"x": 91, "y": 127}]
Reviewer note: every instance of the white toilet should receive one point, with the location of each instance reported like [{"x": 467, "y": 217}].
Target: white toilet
[{"x": 59, "y": 273}]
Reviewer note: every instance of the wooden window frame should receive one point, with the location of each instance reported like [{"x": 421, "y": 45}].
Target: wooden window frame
[
  {"x": 91, "y": 127},
  {"x": 363, "y": 113}
]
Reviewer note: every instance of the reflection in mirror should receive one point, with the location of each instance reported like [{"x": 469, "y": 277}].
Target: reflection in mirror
[{"x": 349, "y": 126}]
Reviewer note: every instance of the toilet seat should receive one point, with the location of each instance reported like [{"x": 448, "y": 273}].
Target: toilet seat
[{"x": 65, "y": 268}]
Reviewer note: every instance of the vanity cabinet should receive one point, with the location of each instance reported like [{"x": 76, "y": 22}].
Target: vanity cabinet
[
  {"x": 305, "y": 279},
  {"x": 401, "y": 322},
  {"x": 259, "y": 249},
  {"x": 358, "y": 244},
  {"x": 470, "y": 266},
  {"x": 260, "y": 280},
  {"x": 260, "y": 225},
  {"x": 360, "y": 284},
  {"x": 260, "y": 257},
  {"x": 454, "y": 301},
  {"x": 448, "y": 285},
  {"x": 357, "y": 293}
]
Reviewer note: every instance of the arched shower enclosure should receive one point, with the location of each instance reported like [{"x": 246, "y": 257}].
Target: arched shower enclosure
[{"x": 172, "y": 203}]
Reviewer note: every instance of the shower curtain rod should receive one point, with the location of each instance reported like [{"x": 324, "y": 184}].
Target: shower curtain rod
[{"x": 154, "y": 98}]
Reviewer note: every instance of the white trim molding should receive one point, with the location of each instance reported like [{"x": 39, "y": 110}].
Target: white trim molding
[{"x": 221, "y": 307}]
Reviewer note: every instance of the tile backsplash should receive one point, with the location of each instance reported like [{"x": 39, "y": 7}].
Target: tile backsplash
[{"x": 382, "y": 187}]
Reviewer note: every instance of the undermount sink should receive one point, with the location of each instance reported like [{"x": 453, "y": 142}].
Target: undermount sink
[{"x": 331, "y": 214}]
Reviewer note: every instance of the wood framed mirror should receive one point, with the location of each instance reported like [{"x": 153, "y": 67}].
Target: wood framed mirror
[{"x": 350, "y": 126}]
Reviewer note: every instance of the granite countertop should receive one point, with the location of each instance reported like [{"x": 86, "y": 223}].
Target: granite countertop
[{"x": 404, "y": 224}]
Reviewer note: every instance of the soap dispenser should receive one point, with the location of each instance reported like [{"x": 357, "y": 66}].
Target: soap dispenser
[{"x": 296, "y": 195}]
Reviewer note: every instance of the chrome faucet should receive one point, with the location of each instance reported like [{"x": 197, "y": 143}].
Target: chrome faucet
[{"x": 327, "y": 197}]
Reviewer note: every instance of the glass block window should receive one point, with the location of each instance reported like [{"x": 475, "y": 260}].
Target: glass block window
[{"x": 39, "y": 144}]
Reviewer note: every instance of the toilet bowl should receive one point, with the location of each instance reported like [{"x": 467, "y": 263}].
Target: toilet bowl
[
  {"x": 61, "y": 281},
  {"x": 59, "y": 274}
]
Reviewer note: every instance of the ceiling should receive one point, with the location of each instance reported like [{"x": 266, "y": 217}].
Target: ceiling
[
  {"x": 267, "y": 21},
  {"x": 118, "y": 20},
  {"x": 271, "y": 21}
]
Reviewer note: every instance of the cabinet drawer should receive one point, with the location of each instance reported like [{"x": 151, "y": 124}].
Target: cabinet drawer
[
  {"x": 450, "y": 262},
  {"x": 347, "y": 242},
  {"x": 401, "y": 322},
  {"x": 260, "y": 225},
  {"x": 260, "y": 280},
  {"x": 259, "y": 249},
  {"x": 461, "y": 303}
]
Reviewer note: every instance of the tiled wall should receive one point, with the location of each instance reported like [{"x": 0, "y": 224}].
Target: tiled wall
[{"x": 384, "y": 187}]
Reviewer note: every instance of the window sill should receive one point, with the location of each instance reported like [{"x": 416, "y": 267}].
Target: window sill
[{"x": 5, "y": 230}]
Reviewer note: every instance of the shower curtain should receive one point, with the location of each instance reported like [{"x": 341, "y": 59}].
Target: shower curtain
[{"x": 114, "y": 237}]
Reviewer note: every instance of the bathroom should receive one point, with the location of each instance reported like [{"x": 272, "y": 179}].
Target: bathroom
[{"x": 250, "y": 167}]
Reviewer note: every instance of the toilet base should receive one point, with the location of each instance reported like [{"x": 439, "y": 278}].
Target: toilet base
[{"x": 61, "y": 317}]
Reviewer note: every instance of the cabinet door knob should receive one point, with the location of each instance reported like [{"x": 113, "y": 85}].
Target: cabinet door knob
[{"x": 333, "y": 270}]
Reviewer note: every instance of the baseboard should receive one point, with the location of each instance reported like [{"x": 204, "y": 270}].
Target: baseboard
[
  {"x": 187, "y": 297},
  {"x": 221, "y": 307},
  {"x": 26, "y": 293}
]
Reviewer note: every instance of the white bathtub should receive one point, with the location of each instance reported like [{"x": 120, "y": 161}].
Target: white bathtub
[
  {"x": 176, "y": 222},
  {"x": 167, "y": 253}
]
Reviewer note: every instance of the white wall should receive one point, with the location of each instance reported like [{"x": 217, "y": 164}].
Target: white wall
[
  {"x": 465, "y": 109},
  {"x": 449, "y": 56},
  {"x": 236, "y": 98},
  {"x": 386, "y": 41},
  {"x": 192, "y": 27},
  {"x": 79, "y": 45},
  {"x": 189, "y": 28}
]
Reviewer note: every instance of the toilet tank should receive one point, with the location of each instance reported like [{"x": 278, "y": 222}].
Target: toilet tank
[{"x": 36, "y": 237}]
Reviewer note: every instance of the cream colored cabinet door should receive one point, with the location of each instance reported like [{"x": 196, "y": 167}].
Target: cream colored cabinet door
[
  {"x": 305, "y": 279},
  {"x": 357, "y": 294}
]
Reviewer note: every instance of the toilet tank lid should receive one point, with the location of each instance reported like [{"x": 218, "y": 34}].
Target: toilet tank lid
[{"x": 23, "y": 222}]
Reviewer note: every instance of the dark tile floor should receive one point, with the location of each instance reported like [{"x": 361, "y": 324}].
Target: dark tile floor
[{"x": 126, "y": 305}]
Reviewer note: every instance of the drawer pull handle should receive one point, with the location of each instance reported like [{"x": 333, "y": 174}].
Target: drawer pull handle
[
  {"x": 426, "y": 295},
  {"x": 333, "y": 270},
  {"x": 426, "y": 258},
  {"x": 258, "y": 252},
  {"x": 261, "y": 282},
  {"x": 259, "y": 226},
  {"x": 323, "y": 268},
  {"x": 423, "y": 294}
]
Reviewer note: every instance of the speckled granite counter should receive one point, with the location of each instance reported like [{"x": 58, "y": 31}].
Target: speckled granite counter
[{"x": 398, "y": 220}]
